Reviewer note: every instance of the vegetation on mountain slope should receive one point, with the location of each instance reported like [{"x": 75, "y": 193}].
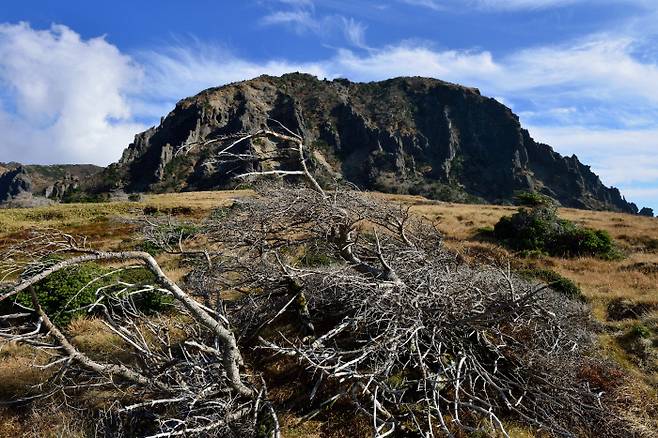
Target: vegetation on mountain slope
[
  {"x": 626, "y": 340},
  {"x": 407, "y": 135}
]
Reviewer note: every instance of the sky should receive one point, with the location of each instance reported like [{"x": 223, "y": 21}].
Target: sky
[{"x": 78, "y": 79}]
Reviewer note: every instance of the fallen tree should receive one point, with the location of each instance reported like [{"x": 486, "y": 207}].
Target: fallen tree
[{"x": 384, "y": 317}]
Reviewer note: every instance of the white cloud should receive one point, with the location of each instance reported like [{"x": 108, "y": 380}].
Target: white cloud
[
  {"x": 301, "y": 16},
  {"x": 411, "y": 60},
  {"x": 69, "y": 99},
  {"x": 301, "y": 19},
  {"x": 625, "y": 157},
  {"x": 512, "y": 5},
  {"x": 68, "y": 96},
  {"x": 601, "y": 67},
  {"x": 431, "y": 4},
  {"x": 183, "y": 71},
  {"x": 355, "y": 32}
]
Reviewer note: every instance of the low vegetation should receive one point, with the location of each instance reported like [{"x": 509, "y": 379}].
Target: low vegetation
[
  {"x": 556, "y": 281},
  {"x": 73, "y": 292},
  {"x": 332, "y": 282},
  {"x": 541, "y": 229},
  {"x": 295, "y": 312}
]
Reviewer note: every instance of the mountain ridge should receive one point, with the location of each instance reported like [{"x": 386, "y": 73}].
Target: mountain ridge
[
  {"x": 408, "y": 135},
  {"x": 29, "y": 184}
]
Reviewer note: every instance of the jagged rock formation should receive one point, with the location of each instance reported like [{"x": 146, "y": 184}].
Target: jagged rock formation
[
  {"x": 14, "y": 184},
  {"x": 52, "y": 182},
  {"x": 406, "y": 135},
  {"x": 59, "y": 189}
]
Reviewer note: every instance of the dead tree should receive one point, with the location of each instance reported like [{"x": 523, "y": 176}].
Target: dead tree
[
  {"x": 414, "y": 338},
  {"x": 189, "y": 365}
]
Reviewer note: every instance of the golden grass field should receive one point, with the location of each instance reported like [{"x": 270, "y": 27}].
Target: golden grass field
[{"x": 633, "y": 279}]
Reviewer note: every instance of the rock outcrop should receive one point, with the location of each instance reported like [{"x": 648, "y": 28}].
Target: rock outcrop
[
  {"x": 61, "y": 188},
  {"x": 14, "y": 184},
  {"x": 52, "y": 182},
  {"x": 406, "y": 135},
  {"x": 646, "y": 211}
]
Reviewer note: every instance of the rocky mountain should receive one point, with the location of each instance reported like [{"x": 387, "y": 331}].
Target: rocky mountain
[
  {"x": 406, "y": 135},
  {"x": 24, "y": 183},
  {"x": 14, "y": 183}
]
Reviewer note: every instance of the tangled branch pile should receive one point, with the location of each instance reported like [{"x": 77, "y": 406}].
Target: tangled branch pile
[
  {"x": 181, "y": 375},
  {"x": 383, "y": 316},
  {"x": 416, "y": 339}
]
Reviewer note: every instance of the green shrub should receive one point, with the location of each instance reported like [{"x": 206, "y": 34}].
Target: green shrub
[
  {"x": 314, "y": 258},
  {"x": 640, "y": 331},
  {"x": 532, "y": 199},
  {"x": 135, "y": 197},
  {"x": 80, "y": 196},
  {"x": 63, "y": 293},
  {"x": 584, "y": 241},
  {"x": 539, "y": 229},
  {"x": 556, "y": 281}
]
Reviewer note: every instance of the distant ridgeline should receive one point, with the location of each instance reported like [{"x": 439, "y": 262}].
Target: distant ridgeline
[
  {"x": 30, "y": 185},
  {"x": 407, "y": 135}
]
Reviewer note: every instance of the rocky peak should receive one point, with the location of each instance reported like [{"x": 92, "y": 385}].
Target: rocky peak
[
  {"x": 407, "y": 135},
  {"x": 15, "y": 183},
  {"x": 49, "y": 181}
]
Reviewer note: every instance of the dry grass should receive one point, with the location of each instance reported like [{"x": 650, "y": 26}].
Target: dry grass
[
  {"x": 68, "y": 216},
  {"x": 50, "y": 422},
  {"x": 95, "y": 339},
  {"x": 635, "y": 278}
]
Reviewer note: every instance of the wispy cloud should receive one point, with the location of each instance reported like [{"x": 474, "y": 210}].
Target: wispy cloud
[
  {"x": 66, "y": 98},
  {"x": 512, "y": 5},
  {"x": 431, "y": 4},
  {"x": 355, "y": 32},
  {"x": 302, "y": 17}
]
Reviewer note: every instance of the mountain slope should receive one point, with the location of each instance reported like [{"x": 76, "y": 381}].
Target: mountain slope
[
  {"x": 48, "y": 181},
  {"x": 404, "y": 135}
]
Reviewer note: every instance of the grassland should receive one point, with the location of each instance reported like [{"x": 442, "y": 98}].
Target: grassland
[{"x": 623, "y": 294}]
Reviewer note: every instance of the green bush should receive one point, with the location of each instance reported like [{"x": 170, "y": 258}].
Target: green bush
[
  {"x": 63, "y": 293},
  {"x": 313, "y": 258},
  {"x": 556, "y": 281},
  {"x": 540, "y": 229},
  {"x": 532, "y": 199},
  {"x": 640, "y": 331},
  {"x": 584, "y": 241},
  {"x": 80, "y": 196}
]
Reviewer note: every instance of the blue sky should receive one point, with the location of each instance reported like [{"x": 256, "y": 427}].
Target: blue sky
[{"x": 78, "y": 79}]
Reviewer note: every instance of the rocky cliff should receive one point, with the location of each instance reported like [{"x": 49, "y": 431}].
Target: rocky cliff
[
  {"x": 406, "y": 135},
  {"x": 23, "y": 182},
  {"x": 14, "y": 183}
]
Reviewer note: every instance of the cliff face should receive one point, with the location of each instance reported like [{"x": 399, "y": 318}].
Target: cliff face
[
  {"x": 405, "y": 135},
  {"x": 52, "y": 182},
  {"x": 15, "y": 183}
]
